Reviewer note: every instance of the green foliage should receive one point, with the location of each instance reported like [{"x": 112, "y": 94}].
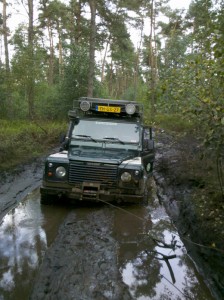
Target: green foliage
[
  {"x": 188, "y": 63},
  {"x": 54, "y": 71},
  {"x": 74, "y": 84},
  {"x": 26, "y": 140},
  {"x": 3, "y": 93},
  {"x": 190, "y": 74},
  {"x": 22, "y": 68},
  {"x": 175, "y": 123},
  {"x": 48, "y": 104},
  {"x": 204, "y": 103},
  {"x": 101, "y": 90}
]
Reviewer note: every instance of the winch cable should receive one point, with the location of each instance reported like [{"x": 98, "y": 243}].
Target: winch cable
[
  {"x": 153, "y": 238},
  {"x": 120, "y": 208},
  {"x": 186, "y": 296}
]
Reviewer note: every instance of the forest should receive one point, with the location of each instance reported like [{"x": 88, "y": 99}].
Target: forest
[{"x": 172, "y": 60}]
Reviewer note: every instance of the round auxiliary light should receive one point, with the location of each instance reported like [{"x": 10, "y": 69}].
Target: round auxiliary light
[
  {"x": 60, "y": 172},
  {"x": 126, "y": 177},
  {"x": 130, "y": 109},
  {"x": 85, "y": 105}
]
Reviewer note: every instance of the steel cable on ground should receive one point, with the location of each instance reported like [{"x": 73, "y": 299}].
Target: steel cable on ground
[
  {"x": 154, "y": 240},
  {"x": 181, "y": 237}
]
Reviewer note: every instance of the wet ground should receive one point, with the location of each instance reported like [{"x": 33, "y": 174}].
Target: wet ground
[{"x": 94, "y": 252}]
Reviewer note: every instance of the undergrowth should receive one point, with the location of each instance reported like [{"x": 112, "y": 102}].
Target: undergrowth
[
  {"x": 193, "y": 165},
  {"x": 174, "y": 122},
  {"x": 21, "y": 141}
]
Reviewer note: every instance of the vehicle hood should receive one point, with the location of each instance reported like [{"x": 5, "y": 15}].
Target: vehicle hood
[{"x": 101, "y": 154}]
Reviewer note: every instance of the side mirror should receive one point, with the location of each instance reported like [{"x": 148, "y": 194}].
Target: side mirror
[
  {"x": 62, "y": 138},
  {"x": 64, "y": 141}
]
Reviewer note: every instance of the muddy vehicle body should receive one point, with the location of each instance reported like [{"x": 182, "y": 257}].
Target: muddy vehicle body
[{"x": 107, "y": 154}]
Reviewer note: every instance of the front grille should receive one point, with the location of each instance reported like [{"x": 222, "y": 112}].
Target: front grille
[{"x": 90, "y": 172}]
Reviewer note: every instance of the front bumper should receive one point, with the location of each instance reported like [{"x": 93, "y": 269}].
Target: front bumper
[{"x": 93, "y": 192}]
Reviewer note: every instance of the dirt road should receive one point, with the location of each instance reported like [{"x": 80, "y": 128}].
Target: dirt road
[
  {"x": 90, "y": 251},
  {"x": 94, "y": 252}
]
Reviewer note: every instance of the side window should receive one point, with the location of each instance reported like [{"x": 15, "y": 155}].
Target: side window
[
  {"x": 146, "y": 133},
  {"x": 146, "y": 136},
  {"x": 148, "y": 141}
]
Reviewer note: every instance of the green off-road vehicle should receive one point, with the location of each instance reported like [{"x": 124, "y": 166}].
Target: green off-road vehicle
[{"x": 106, "y": 155}]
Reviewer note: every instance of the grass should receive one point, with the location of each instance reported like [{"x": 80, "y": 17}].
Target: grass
[{"x": 21, "y": 141}]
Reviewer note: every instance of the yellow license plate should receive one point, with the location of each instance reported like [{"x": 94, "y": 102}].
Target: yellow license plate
[{"x": 111, "y": 109}]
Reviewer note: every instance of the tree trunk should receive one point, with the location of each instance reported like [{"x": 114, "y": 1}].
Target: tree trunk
[
  {"x": 51, "y": 58},
  {"x": 111, "y": 78},
  {"x": 104, "y": 60},
  {"x": 152, "y": 61},
  {"x": 136, "y": 70},
  {"x": 30, "y": 83},
  {"x": 78, "y": 22},
  {"x": 60, "y": 58},
  {"x": 92, "y": 5},
  {"x": 9, "y": 106},
  {"x": 75, "y": 30},
  {"x": 5, "y": 32}
]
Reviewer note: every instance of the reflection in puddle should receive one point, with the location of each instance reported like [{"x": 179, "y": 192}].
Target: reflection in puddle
[
  {"x": 20, "y": 235},
  {"x": 143, "y": 236},
  {"x": 159, "y": 270},
  {"x": 23, "y": 244}
]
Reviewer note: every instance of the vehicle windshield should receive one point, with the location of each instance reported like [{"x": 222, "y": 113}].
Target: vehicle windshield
[{"x": 107, "y": 131}]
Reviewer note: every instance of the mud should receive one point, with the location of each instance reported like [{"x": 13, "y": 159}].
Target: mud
[
  {"x": 94, "y": 252},
  {"x": 98, "y": 252},
  {"x": 177, "y": 189},
  {"x": 16, "y": 185},
  {"x": 82, "y": 262}
]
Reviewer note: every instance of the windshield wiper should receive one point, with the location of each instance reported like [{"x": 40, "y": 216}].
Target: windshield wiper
[
  {"x": 113, "y": 139},
  {"x": 86, "y": 136}
]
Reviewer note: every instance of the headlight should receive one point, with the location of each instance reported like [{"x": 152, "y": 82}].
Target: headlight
[
  {"x": 60, "y": 172},
  {"x": 126, "y": 177}
]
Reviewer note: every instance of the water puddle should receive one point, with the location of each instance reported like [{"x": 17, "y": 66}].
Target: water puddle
[
  {"x": 153, "y": 261},
  {"x": 150, "y": 257},
  {"x": 25, "y": 233}
]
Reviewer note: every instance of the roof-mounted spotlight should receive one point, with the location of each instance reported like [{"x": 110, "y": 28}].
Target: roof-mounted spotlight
[
  {"x": 130, "y": 109},
  {"x": 85, "y": 105}
]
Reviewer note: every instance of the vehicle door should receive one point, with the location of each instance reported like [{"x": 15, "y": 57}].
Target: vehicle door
[{"x": 148, "y": 152}]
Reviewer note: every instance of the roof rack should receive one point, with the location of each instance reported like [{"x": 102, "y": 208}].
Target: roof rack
[{"x": 108, "y": 107}]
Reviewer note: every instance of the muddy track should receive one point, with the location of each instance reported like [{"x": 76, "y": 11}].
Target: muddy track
[
  {"x": 92, "y": 274},
  {"x": 175, "y": 188},
  {"x": 93, "y": 252},
  {"x": 18, "y": 184}
]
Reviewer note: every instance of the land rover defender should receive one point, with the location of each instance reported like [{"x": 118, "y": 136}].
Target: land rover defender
[{"x": 107, "y": 154}]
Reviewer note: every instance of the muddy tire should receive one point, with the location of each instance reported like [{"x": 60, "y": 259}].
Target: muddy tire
[
  {"x": 46, "y": 199},
  {"x": 145, "y": 199}
]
